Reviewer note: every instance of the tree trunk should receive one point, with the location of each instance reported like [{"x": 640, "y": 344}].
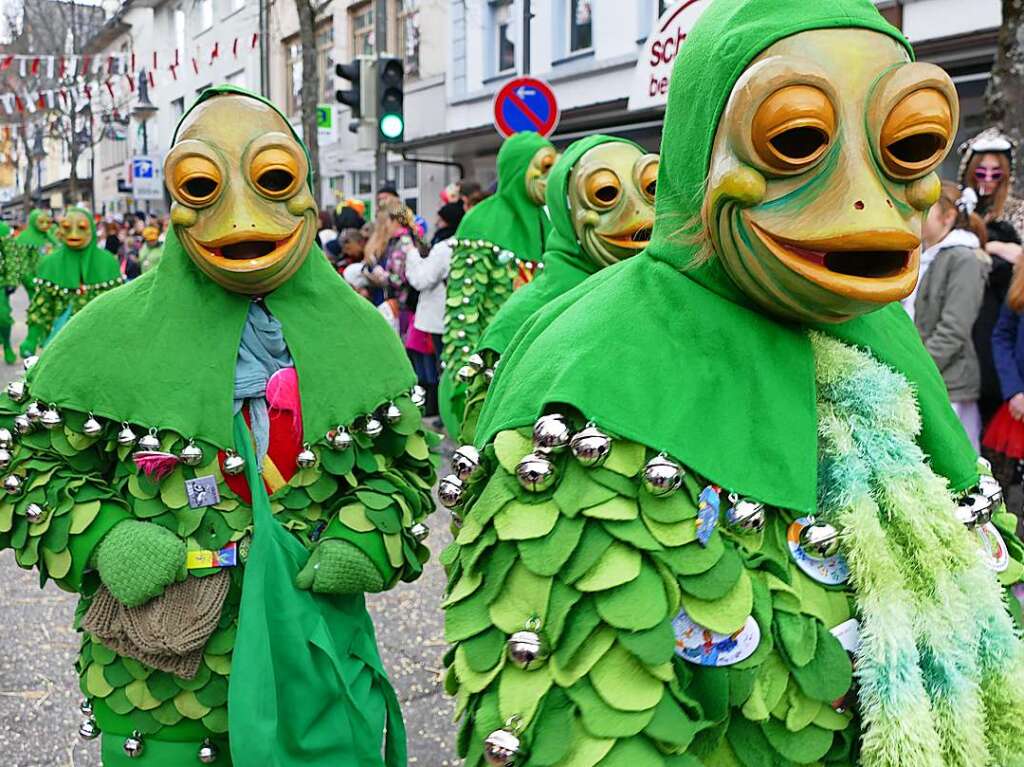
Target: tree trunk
[
  {"x": 29, "y": 167},
  {"x": 310, "y": 93},
  {"x": 1005, "y": 96}
]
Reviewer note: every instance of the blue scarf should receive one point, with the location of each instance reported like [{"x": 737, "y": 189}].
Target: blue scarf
[{"x": 261, "y": 353}]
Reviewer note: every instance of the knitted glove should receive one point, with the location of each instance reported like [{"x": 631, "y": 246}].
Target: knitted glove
[
  {"x": 339, "y": 567},
  {"x": 138, "y": 560}
]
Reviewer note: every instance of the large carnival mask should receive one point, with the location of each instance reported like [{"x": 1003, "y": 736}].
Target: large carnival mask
[
  {"x": 611, "y": 199},
  {"x": 242, "y": 208},
  {"x": 43, "y": 222},
  {"x": 822, "y": 167},
  {"x": 75, "y": 230},
  {"x": 537, "y": 173}
]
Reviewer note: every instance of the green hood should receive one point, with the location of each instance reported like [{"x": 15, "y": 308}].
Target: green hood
[
  {"x": 565, "y": 263},
  {"x": 161, "y": 351},
  {"x": 5, "y": 229},
  {"x": 71, "y": 269},
  {"x": 677, "y": 359},
  {"x": 32, "y": 236},
  {"x": 509, "y": 218}
]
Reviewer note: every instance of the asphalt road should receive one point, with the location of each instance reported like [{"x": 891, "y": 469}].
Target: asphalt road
[{"x": 39, "y": 694}]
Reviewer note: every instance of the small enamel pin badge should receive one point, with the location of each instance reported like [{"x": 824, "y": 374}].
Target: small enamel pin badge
[{"x": 202, "y": 491}]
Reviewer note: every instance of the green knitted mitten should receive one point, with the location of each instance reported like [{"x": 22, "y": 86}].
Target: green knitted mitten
[
  {"x": 339, "y": 567},
  {"x": 138, "y": 560}
]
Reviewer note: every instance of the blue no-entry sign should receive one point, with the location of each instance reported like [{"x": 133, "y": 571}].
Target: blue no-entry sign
[{"x": 526, "y": 104}]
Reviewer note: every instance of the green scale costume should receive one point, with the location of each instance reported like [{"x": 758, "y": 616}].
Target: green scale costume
[
  {"x": 506, "y": 228},
  {"x": 690, "y": 526},
  {"x": 34, "y": 243},
  {"x": 11, "y": 259},
  {"x": 67, "y": 279},
  {"x": 277, "y": 650},
  {"x": 567, "y": 261}
]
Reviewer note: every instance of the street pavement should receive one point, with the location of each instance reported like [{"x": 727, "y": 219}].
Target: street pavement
[{"x": 39, "y": 694}]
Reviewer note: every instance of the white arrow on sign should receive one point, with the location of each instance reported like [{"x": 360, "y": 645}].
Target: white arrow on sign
[{"x": 522, "y": 92}]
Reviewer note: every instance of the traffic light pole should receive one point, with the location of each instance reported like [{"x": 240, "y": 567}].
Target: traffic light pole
[
  {"x": 380, "y": 45},
  {"x": 527, "y": 18}
]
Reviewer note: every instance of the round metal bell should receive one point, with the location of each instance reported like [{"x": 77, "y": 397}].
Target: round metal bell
[
  {"x": 391, "y": 413},
  {"x": 207, "y": 752},
  {"x": 5, "y": 457},
  {"x": 489, "y": 374},
  {"x": 191, "y": 454},
  {"x": 372, "y": 427},
  {"x": 339, "y": 439},
  {"x": 466, "y": 373},
  {"x": 306, "y": 459},
  {"x": 591, "y": 446},
  {"x": 501, "y": 748},
  {"x": 476, "y": 362},
  {"x": 126, "y": 437},
  {"x": 456, "y": 519},
  {"x": 989, "y": 487},
  {"x": 30, "y": 362},
  {"x": 12, "y": 484},
  {"x": 466, "y": 463},
  {"x": 22, "y": 424},
  {"x": 527, "y": 649},
  {"x": 133, "y": 745},
  {"x": 974, "y": 509},
  {"x": 85, "y": 707},
  {"x": 92, "y": 427},
  {"x": 88, "y": 730},
  {"x": 34, "y": 411},
  {"x": 149, "y": 441},
  {"x": 16, "y": 390},
  {"x": 418, "y": 395},
  {"x": 450, "y": 491},
  {"x": 6, "y": 438},
  {"x": 535, "y": 473},
  {"x": 662, "y": 476},
  {"x": 820, "y": 539},
  {"x": 420, "y": 531},
  {"x": 234, "y": 464},
  {"x": 552, "y": 433},
  {"x": 35, "y": 513},
  {"x": 745, "y": 514},
  {"x": 50, "y": 419}
]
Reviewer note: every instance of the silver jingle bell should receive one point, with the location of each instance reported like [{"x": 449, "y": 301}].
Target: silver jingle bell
[
  {"x": 306, "y": 459},
  {"x": 420, "y": 531},
  {"x": 591, "y": 446},
  {"x": 34, "y": 411},
  {"x": 450, "y": 491},
  {"x": 974, "y": 509},
  {"x": 207, "y": 752},
  {"x": 35, "y": 513},
  {"x": 234, "y": 464},
  {"x": 30, "y": 362},
  {"x": 6, "y": 438},
  {"x": 5, "y": 457},
  {"x": 820, "y": 539},
  {"x": 476, "y": 362},
  {"x": 372, "y": 427},
  {"x": 552, "y": 433},
  {"x": 989, "y": 487},
  {"x": 662, "y": 476},
  {"x": 501, "y": 748},
  {"x": 191, "y": 454},
  {"x": 466, "y": 373},
  {"x": 527, "y": 649},
  {"x": 92, "y": 427},
  {"x": 126, "y": 437},
  {"x": 50, "y": 419},
  {"x": 418, "y": 395},
  {"x": 489, "y": 374},
  {"x": 133, "y": 745},
  {"x": 466, "y": 463},
  {"x": 535, "y": 473},
  {"x": 456, "y": 518},
  {"x": 745, "y": 514},
  {"x": 85, "y": 707},
  {"x": 12, "y": 484},
  {"x": 88, "y": 730},
  {"x": 391, "y": 413},
  {"x": 339, "y": 439},
  {"x": 16, "y": 390},
  {"x": 22, "y": 424},
  {"x": 149, "y": 441}
]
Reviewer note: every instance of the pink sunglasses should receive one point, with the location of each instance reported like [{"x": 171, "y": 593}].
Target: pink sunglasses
[{"x": 988, "y": 174}]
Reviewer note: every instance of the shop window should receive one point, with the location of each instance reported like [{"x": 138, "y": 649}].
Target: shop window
[
  {"x": 506, "y": 45},
  {"x": 581, "y": 30}
]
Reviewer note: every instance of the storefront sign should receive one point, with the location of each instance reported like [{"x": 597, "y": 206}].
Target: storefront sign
[{"x": 666, "y": 41}]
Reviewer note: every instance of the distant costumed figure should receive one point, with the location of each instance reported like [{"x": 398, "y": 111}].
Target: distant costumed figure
[
  {"x": 719, "y": 511},
  {"x": 39, "y": 238}
]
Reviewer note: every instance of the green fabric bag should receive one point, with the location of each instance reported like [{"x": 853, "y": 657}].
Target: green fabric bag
[
  {"x": 307, "y": 685},
  {"x": 675, "y": 357}
]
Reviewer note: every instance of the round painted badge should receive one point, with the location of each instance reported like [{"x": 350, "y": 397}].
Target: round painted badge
[
  {"x": 830, "y": 570},
  {"x": 993, "y": 547},
  {"x": 703, "y": 647}
]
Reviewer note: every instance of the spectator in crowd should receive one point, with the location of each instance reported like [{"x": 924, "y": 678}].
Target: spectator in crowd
[
  {"x": 348, "y": 249},
  {"x": 471, "y": 193},
  {"x": 152, "y": 247},
  {"x": 350, "y": 215},
  {"x": 112, "y": 243},
  {"x": 387, "y": 195},
  {"x": 948, "y": 297},
  {"x": 325, "y": 232}
]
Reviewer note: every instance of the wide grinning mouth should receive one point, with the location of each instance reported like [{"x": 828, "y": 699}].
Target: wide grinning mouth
[
  {"x": 870, "y": 264},
  {"x": 637, "y": 239},
  {"x": 248, "y": 249}
]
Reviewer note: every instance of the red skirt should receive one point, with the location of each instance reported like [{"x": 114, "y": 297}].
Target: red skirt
[{"x": 1004, "y": 434}]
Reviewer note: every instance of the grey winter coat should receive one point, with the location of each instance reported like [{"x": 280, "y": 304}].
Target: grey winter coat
[{"x": 947, "y": 304}]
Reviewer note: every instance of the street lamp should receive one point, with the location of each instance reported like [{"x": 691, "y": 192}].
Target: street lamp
[
  {"x": 144, "y": 109},
  {"x": 38, "y": 155}
]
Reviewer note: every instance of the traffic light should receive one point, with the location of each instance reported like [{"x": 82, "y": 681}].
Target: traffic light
[
  {"x": 390, "y": 100},
  {"x": 352, "y": 97}
]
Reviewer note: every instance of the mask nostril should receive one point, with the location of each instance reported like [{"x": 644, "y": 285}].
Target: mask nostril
[{"x": 859, "y": 205}]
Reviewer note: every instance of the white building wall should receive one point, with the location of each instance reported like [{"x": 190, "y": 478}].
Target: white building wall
[{"x": 930, "y": 19}]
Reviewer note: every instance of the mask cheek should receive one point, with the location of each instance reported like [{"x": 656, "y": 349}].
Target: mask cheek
[
  {"x": 742, "y": 185},
  {"x": 182, "y": 216},
  {"x": 924, "y": 192},
  {"x": 300, "y": 203}
]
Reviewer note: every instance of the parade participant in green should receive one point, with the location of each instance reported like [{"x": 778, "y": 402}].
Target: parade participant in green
[
  {"x": 600, "y": 197},
  {"x": 151, "y": 250},
  {"x": 224, "y": 483},
  {"x": 717, "y": 481},
  {"x": 10, "y": 266},
  {"x": 38, "y": 239},
  {"x": 67, "y": 279},
  {"x": 506, "y": 229}
]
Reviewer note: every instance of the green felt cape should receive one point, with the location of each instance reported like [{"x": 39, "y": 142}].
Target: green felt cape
[
  {"x": 70, "y": 268},
  {"x": 32, "y": 236},
  {"x": 510, "y": 218},
  {"x": 677, "y": 358},
  {"x": 173, "y": 363},
  {"x": 565, "y": 263}
]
